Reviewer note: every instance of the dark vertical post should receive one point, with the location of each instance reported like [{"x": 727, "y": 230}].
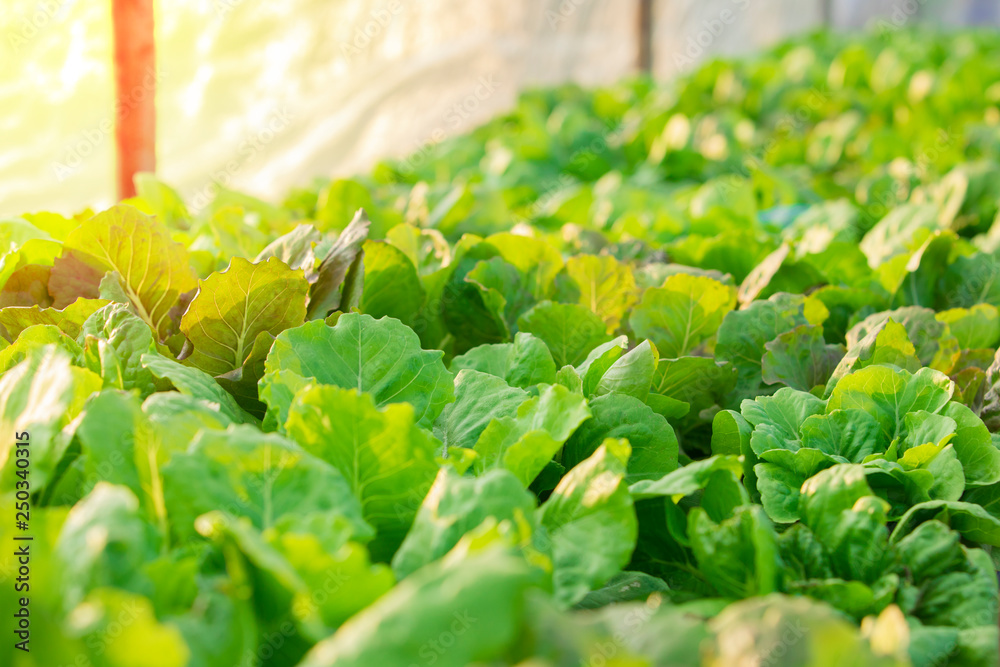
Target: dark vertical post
[
  {"x": 645, "y": 33},
  {"x": 135, "y": 91},
  {"x": 826, "y": 13}
]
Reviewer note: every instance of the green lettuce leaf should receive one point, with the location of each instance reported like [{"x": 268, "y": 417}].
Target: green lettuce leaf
[
  {"x": 479, "y": 399},
  {"x": 602, "y": 284},
  {"x": 325, "y": 292},
  {"x": 456, "y": 505},
  {"x": 386, "y": 458},
  {"x": 477, "y": 602},
  {"x": 42, "y": 395},
  {"x": 744, "y": 333},
  {"x": 114, "y": 340},
  {"x": 527, "y": 441},
  {"x": 683, "y": 313},
  {"x": 654, "y": 447},
  {"x": 242, "y": 473},
  {"x": 197, "y": 384},
  {"x": 800, "y": 359},
  {"x": 380, "y": 357},
  {"x": 570, "y": 330},
  {"x": 591, "y": 522},
  {"x": 739, "y": 556},
  {"x": 391, "y": 284},
  {"x": 523, "y": 363}
]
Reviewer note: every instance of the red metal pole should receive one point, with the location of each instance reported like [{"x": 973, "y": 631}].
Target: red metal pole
[{"x": 135, "y": 91}]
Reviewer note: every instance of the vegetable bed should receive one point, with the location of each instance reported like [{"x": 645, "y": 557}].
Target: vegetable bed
[{"x": 694, "y": 373}]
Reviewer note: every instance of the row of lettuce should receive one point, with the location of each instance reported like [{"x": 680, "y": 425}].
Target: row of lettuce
[{"x": 702, "y": 373}]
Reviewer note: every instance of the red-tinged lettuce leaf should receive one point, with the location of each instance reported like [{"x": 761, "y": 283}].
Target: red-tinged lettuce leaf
[
  {"x": 242, "y": 382},
  {"x": 325, "y": 295},
  {"x": 991, "y": 400},
  {"x": 154, "y": 270},
  {"x": 27, "y": 286},
  {"x": 70, "y": 319},
  {"x": 72, "y": 278},
  {"x": 970, "y": 388},
  {"x": 234, "y": 307},
  {"x": 41, "y": 252}
]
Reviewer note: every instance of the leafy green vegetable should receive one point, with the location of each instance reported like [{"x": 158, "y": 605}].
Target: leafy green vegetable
[
  {"x": 456, "y": 505},
  {"x": 525, "y": 442},
  {"x": 682, "y": 313},
  {"x": 261, "y": 477},
  {"x": 523, "y": 363},
  {"x": 569, "y": 330},
  {"x": 591, "y": 523},
  {"x": 387, "y": 460},
  {"x": 151, "y": 270},
  {"x": 380, "y": 357},
  {"x": 637, "y": 375},
  {"x": 234, "y": 307}
]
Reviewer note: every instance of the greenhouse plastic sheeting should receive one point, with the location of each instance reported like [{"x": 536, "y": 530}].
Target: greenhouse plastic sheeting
[
  {"x": 264, "y": 95},
  {"x": 261, "y": 95}
]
